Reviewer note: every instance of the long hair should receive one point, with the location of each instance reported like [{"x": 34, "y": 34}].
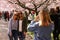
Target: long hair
[
  {"x": 52, "y": 11},
  {"x": 44, "y": 18},
  {"x": 20, "y": 15}
]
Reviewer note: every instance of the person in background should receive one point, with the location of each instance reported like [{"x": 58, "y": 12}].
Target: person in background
[
  {"x": 7, "y": 15},
  {"x": 22, "y": 26},
  {"x": 58, "y": 26},
  {"x": 57, "y": 9},
  {"x": 0, "y": 15},
  {"x": 13, "y": 25},
  {"x": 11, "y": 14},
  {"x": 54, "y": 18},
  {"x": 42, "y": 26}
]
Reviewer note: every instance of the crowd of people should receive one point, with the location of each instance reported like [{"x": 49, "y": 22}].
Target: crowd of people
[
  {"x": 45, "y": 23},
  {"x": 5, "y": 15}
]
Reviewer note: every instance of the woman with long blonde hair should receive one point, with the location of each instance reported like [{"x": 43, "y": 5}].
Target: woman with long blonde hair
[
  {"x": 44, "y": 18},
  {"x": 42, "y": 26}
]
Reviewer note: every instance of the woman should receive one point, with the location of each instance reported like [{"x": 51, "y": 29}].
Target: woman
[
  {"x": 0, "y": 15},
  {"x": 54, "y": 18},
  {"x": 42, "y": 26},
  {"x": 13, "y": 25},
  {"x": 22, "y": 26}
]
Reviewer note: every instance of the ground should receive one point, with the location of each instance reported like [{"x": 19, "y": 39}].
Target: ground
[{"x": 4, "y": 31}]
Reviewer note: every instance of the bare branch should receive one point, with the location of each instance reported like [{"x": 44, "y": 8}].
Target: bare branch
[
  {"x": 12, "y": 2},
  {"x": 34, "y": 4},
  {"x": 42, "y": 3},
  {"x": 47, "y": 4},
  {"x": 23, "y": 6}
]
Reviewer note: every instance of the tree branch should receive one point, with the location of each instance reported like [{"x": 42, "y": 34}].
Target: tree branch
[
  {"x": 49, "y": 3},
  {"x": 23, "y": 6},
  {"x": 34, "y": 4},
  {"x": 42, "y": 3},
  {"x": 10, "y": 2}
]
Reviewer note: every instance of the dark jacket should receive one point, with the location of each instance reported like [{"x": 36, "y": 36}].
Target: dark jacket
[
  {"x": 24, "y": 25},
  {"x": 56, "y": 20}
]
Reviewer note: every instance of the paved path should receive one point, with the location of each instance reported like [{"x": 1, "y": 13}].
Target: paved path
[{"x": 4, "y": 29}]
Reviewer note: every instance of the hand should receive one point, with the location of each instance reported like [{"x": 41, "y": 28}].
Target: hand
[
  {"x": 25, "y": 33},
  {"x": 36, "y": 18},
  {"x": 11, "y": 34}
]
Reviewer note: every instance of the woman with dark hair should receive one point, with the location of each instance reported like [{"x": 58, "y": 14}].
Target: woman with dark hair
[
  {"x": 42, "y": 26},
  {"x": 22, "y": 26},
  {"x": 54, "y": 18},
  {"x": 0, "y": 15},
  {"x": 57, "y": 23}
]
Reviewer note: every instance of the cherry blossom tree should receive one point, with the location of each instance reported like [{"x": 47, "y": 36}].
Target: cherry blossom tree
[{"x": 33, "y": 5}]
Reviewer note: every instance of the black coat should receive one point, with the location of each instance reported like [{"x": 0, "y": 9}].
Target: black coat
[
  {"x": 56, "y": 19},
  {"x": 24, "y": 25}
]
